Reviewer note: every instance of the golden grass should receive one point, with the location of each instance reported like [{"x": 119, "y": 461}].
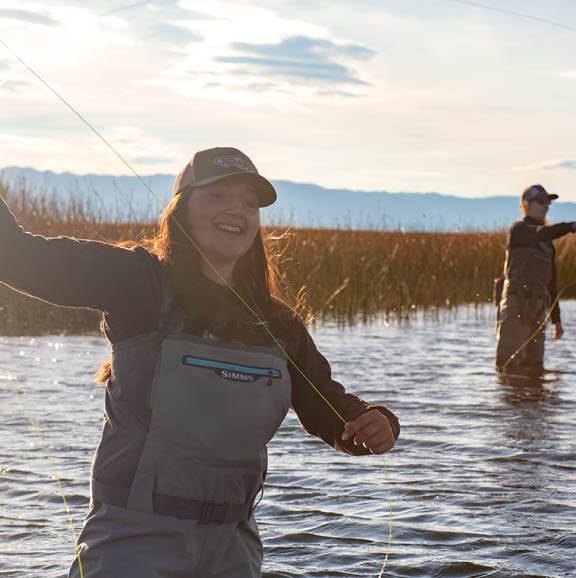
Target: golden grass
[{"x": 348, "y": 276}]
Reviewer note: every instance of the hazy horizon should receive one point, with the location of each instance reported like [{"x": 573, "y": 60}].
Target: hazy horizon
[
  {"x": 271, "y": 178},
  {"x": 301, "y": 205}
]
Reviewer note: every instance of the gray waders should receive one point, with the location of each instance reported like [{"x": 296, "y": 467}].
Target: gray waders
[
  {"x": 524, "y": 306},
  {"x": 198, "y": 461}
]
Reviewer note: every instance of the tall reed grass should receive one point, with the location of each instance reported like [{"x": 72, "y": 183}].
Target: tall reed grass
[{"x": 347, "y": 276}]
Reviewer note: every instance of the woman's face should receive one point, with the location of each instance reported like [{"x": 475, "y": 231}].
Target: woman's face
[
  {"x": 537, "y": 210},
  {"x": 224, "y": 218}
]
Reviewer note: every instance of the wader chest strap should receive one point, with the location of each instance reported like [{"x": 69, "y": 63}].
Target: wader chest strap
[{"x": 203, "y": 512}]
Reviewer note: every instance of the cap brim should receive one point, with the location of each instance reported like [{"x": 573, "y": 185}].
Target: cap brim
[
  {"x": 552, "y": 197},
  {"x": 266, "y": 192}
]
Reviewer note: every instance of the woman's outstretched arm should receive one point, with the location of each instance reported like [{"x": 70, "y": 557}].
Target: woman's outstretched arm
[
  {"x": 523, "y": 234},
  {"x": 76, "y": 273}
]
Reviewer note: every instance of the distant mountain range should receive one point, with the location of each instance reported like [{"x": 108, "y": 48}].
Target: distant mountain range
[{"x": 298, "y": 205}]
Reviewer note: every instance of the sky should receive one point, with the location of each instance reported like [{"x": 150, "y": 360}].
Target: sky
[{"x": 373, "y": 95}]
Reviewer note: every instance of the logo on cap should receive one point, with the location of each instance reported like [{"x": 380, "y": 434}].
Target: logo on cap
[{"x": 235, "y": 162}]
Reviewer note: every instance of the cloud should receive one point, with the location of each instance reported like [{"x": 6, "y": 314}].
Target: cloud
[
  {"x": 304, "y": 70},
  {"x": 126, "y": 7},
  {"x": 177, "y": 34},
  {"x": 550, "y": 165},
  {"x": 27, "y": 16},
  {"x": 139, "y": 146},
  {"x": 565, "y": 164},
  {"x": 256, "y": 56},
  {"x": 299, "y": 57},
  {"x": 338, "y": 94},
  {"x": 152, "y": 160},
  {"x": 18, "y": 87},
  {"x": 12, "y": 78},
  {"x": 302, "y": 47}
]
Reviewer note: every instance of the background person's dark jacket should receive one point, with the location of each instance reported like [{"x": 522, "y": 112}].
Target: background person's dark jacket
[{"x": 529, "y": 232}]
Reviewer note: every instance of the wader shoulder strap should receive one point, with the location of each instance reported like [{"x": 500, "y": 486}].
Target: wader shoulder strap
[{"x": 171, "y": 313}]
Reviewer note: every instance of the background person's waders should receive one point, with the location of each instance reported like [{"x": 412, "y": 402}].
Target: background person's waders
[
  {"x": 214, "y": 406},
  {"x": 524, "y": 305}
]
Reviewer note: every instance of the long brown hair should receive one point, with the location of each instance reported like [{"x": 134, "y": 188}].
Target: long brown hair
[{"x": 256, "y": 275}]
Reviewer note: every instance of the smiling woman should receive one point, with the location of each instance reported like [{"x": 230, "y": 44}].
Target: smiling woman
[
  {"x": 225, "y": 219},
  {"x": 198, "y": 382}
]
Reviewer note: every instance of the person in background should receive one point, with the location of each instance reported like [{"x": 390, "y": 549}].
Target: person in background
[
  {"x": 196, "y": 386},
  {"x": 529, "y": 284}
]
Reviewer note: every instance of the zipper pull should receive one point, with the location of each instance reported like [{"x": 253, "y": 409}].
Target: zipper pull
[{"x": 269, "y": 379}]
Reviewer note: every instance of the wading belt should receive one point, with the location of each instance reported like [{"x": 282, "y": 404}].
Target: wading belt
[{"x": 164, "y": 505}]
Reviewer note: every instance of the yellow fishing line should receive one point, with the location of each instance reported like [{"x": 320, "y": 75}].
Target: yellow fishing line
[
  {"x": 390, "y": 525},
  {"x": 125, "y": 8},
  {"x": 207, "y": 261},
  {"x": 517, "y": 14},
  {"x": 50, "y": 460},
  {"x": 538, "y": 329}
]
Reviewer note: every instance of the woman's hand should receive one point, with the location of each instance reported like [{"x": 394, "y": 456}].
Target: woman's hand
[
  {"x": 558, "y": 331},
  {"x": 371, "y": 430}
]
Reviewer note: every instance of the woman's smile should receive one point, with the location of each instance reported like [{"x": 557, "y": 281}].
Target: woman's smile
[{"x": 229, "y": 228}]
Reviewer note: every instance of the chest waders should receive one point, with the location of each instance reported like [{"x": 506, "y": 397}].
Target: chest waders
[
  {"x": 524, "y": 305},
  {"x": 197, "y": 463}
]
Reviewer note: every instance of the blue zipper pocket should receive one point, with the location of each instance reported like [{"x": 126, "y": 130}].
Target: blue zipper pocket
[{"x": 233, "y": 371}]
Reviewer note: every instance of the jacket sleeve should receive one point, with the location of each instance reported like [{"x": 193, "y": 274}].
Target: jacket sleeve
[
  {"x": 524, "y": 234},
  {"x": 74, "y": 273},
  {"x": 314, "y": 413}
]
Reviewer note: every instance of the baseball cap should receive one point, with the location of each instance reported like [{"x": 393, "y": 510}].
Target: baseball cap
[
  {"x": 537, "y": 193},
  {"x": 211, "y": 165}
]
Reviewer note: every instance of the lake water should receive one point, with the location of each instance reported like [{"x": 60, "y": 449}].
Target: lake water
[{"x": 482, "y": 480}]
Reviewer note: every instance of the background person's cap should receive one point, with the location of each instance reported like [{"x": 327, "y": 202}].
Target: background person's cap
[
  {"x": 537, "y": 193},
  {"x": 211, "y": 165}
]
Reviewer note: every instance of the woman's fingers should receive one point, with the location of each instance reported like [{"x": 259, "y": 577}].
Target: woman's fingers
[{"x": 371, "y": 430}]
